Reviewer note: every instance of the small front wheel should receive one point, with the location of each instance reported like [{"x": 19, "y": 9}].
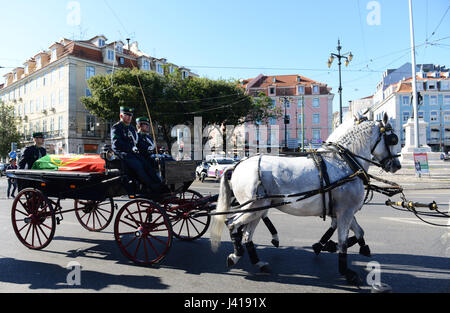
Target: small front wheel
[{"x": 94, "y": 216}]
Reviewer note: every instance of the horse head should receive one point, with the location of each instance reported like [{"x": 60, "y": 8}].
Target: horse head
[{"x": 382, "y": 150}]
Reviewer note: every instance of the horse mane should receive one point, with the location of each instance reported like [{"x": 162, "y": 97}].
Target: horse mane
[{"x": 352, "y": 135}]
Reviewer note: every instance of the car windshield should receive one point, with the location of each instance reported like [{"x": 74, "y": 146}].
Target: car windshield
[{"x": 225, "y": 161}]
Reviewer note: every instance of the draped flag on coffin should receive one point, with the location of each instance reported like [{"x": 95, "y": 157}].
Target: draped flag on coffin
[{"x": 70, "y": 163}]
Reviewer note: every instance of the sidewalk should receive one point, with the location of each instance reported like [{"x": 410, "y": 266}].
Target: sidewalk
[{"x": 439, "y": 178}]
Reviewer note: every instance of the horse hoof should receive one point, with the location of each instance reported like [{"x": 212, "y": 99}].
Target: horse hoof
[
  {"x": 265, "y": 270},
  {"x": 275, "y": 243},
  {"x": 317, "y": 247},
  {"x": 365, "y": 251},
  {"x": 352, "y": 278},
  {"x": 330, "y": 246},
  {"x": 230, "y": 261}
]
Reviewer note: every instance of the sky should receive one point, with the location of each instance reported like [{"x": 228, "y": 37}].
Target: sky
[{"x": 234, "y": 39}]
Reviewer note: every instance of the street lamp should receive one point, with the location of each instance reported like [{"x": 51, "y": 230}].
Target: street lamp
[
  {"x": 348, "y": 58},
  {"x": 286, "y": 120}
]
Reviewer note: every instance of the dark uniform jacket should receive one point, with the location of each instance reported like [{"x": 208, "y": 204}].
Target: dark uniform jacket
[
  {"x": 31, "y": 155},
  {"x": 145, "y": 144},
  {"x": 123, "y": 139}
]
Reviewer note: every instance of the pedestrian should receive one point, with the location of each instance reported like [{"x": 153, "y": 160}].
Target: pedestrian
[
  {"x": 34, "y": 152},
  {"x": 124, "y": 140},
  {"x": 11, "y": 181}
]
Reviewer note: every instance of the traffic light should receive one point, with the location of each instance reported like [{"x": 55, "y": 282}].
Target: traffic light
[{"x": 287, "y": 119}]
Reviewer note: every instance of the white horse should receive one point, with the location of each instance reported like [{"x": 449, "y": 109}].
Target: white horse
[{"x": 255, "y": 179}]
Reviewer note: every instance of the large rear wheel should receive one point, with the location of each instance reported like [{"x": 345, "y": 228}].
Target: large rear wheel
[
  {"x": 143, "y": 232},
  {"x": 33, "y": 219}
]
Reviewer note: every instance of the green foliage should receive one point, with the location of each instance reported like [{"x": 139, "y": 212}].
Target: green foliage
[
  {"x": 173, "y": 100},
  {"x": 8, "y": 129}
]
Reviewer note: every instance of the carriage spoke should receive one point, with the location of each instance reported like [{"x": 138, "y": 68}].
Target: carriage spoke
[{"x": 152, "y": 246}]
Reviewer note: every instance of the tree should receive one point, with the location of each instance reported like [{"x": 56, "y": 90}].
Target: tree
[
  {"x": 8, "y": 129},
  {"x": 173, "y": 100}
]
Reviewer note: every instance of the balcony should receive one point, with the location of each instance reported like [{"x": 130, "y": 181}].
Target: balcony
[{"x": 92, "y": 133}]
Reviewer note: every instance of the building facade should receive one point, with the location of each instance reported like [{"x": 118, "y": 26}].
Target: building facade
[
  {"x": 433, "y": 85},
  {"x": 295, "y": 95},
  {"x": 46, "y": 91}
]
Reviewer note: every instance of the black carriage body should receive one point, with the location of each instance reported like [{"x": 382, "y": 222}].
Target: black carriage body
[{"x": 115, "y": 182}]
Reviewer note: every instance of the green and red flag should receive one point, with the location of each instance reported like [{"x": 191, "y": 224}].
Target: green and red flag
[{"x": 70, "y": 163}]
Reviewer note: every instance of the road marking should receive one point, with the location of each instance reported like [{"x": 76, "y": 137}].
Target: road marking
[{"x": 408, "y": 220}]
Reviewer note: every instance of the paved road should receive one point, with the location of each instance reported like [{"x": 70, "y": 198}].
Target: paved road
[{"x": 413, "y": 257}]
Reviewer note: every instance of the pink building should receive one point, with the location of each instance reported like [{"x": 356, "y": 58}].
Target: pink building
[{"x": 294, "y": 95}]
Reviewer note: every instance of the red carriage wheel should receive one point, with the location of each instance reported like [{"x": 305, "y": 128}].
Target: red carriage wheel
[
  {"x": 94, "y": 215},
  {"x": 143, "y": 232},
  {"x": 184, "y": 225},
  {"x": 33, "y": 219}
]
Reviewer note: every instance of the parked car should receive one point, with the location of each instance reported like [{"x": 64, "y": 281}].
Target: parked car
[
  {"x": 201, "y": 172},
  {"x": 2, "y": 169},
  {"x": 445, "y": 156},
  {"x": 218, "y": 166}
]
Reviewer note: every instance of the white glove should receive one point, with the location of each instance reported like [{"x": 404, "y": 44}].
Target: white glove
[{"x": 135, "y": 149}]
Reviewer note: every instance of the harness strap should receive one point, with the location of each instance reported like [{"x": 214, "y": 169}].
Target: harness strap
[{"x": 323, "y": 176}]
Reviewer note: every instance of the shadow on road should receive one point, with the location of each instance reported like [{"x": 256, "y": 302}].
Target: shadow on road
[
  {"x": 290, "y": 265},
  {"x": 40, "y": 275}
]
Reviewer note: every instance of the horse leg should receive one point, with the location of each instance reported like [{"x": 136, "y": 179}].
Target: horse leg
[
  {"x": 275, "y": 241},
  {"x": 343, "y": 223},
  {"x": 254, "y": 259},
  {"x": 325, "y": 244},
  {"x": 236, "y": 239},
  {"x": 358, "y": 238}
]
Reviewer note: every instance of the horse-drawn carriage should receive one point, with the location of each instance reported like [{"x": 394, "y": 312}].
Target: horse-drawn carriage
[{"x": 144, "y": 226}]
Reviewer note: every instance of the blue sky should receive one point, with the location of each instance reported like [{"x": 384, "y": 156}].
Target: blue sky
[{"x": 243, "y": 38}]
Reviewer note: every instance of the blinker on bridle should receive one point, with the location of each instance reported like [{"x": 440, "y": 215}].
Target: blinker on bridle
[{"x": 389, "y": 140}]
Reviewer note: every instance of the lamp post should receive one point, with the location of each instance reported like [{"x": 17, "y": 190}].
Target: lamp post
[
  {"x": 286, "y": 121},
  {"x": 347, "y": 61}
]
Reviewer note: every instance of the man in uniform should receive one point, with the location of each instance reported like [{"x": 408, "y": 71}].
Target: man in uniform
[
  {"x": 33, "y": 153},
  {"x": 124, "y": 139}
]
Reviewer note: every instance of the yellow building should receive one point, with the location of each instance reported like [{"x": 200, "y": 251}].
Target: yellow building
[{"x": 46, "y": 91}]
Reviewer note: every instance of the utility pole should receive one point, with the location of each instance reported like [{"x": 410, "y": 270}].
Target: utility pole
[
  {"x": 414, "y": 79},
  {"x": 303, "y": 124}
]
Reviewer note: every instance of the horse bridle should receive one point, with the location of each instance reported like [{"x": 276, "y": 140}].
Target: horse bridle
[{"x": 389, "y": 140}]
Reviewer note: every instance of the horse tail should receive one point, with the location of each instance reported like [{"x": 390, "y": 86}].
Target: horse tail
[{"x": 223, "y": 205}]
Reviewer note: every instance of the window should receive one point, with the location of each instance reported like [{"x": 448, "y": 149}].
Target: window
[
  {"x": 431, "y": 85},
  {"x": 110, "y": 55},
  {"x": 300, "y": 90},
  {"x": 90, "y": 71},
  {"x": 434, "y": 116},
  {"x": 44, "y": 126},
  {"x": 405, "y": 100},
  {"x": 119, "y": 48},
  {"x": 300, "y": 119},
  {"x": 315, "y": 89},
  {"x": 52, "y": 125},
  {"x": 88, "y": 92},
  {"x": 26, "y": 69},
  {"x": 445, "y": 84},
  {"x": 101, "y": 42},
  {"x": 38, "y": 62},
  {"x": 433, "y": 100},
  {"x": 52, "y": 100},
  {"x": 316, "y": 134},
  {"x": 90, "y": 125},
  {"x": 146, "y": 65},
  {"x": 53, "y": 57},
  {"x": 316, "y": 118},
  {"x": 273, "y": 121},
  {"x": 31, "y": 106},
  {"x": 60, "y": 123},
  {"x": 405, "y": 116},
  {"x": 159, "y": 69},
  {"x": 446, "y": 100},
  {"x": 44, "y": 103},
  {"x": 316, "y": 103},
  {"x": 61, "y": 96},
  {"x": 447, "y": 116},
  {"x": 121, "y": 60},
  {"x": 271, "y": 91},
  {"x": 38, "y": 105},
  {"x": 420, "y": 114},
  {"x": 44, "y": 80},
  {"x": 61, "y": 72}
]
